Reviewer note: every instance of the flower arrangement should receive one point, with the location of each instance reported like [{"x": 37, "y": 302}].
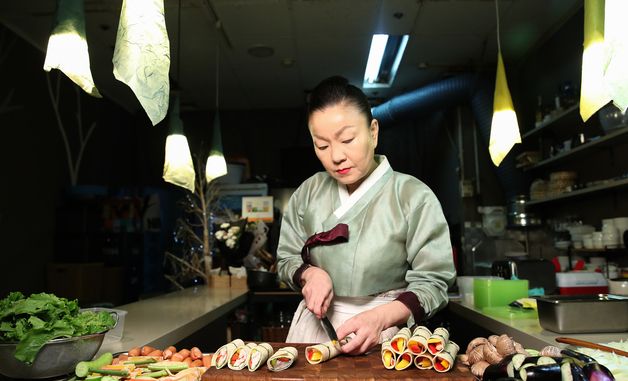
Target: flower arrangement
[
  {"x": 229, "y": 234},
  {"x": 233, "y": 239}
]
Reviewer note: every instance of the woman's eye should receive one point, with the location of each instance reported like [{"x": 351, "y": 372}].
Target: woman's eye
[
  {"x": 321, "y": 147},
  {"x": 347, "y": 141}
]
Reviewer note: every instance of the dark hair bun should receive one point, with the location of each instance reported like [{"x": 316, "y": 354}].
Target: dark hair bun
[{"x": 337, "y": 89}]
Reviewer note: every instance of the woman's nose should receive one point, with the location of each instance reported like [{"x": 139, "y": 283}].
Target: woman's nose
[{"x": 337, "y": 155}]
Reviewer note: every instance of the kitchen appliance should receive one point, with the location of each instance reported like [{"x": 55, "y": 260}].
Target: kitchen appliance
[
  {"x": 493, "y": 220},
  {"x": 261, "y": 280},
  {"x": 517, "y": 214},
  {"x": 583, "y": 313},
  {"x": 498, "y": 292},
  {"x": 538, "y": 272},
  {"x": 581, "y": 283}
]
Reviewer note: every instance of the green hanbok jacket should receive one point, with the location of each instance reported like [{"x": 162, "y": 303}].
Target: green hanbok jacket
[{"x": 398, "y": 236}]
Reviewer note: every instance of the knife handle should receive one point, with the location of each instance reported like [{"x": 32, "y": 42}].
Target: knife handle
[{"x": 588, "y": 344}]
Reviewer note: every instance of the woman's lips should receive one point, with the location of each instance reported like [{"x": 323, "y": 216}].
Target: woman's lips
[{"x": 343, "y": 171}]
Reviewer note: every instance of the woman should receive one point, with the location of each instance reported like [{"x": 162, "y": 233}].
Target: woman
[{"x": 382, "y": 255}]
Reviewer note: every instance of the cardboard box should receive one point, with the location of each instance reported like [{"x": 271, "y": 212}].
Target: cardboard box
[
  {"x": 219, "y": 281},
  {"x": 227, "y": 281}
]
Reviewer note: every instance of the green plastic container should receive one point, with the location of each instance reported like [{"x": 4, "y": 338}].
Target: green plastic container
[{"x": 498, "y": 292}]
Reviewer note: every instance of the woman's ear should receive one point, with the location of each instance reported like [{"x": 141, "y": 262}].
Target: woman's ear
[{"x": 374, "y": 131}]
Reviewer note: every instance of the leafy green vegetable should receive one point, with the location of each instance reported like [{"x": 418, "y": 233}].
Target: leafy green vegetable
[{"x": 33, "y": 321}]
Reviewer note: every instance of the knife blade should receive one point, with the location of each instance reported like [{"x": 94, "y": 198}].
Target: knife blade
[{"x": 329, "y": 328}]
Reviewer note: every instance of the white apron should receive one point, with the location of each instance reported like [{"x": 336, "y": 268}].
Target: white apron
[{"x": 306, "y": 327}]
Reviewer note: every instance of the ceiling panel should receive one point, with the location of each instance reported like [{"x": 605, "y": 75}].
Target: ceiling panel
[{"x": 317, "y": 37}]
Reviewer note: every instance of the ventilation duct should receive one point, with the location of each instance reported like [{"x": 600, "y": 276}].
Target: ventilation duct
[{"x": 468, "y": 88}]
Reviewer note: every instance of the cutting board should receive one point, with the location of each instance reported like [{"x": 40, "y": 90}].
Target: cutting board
[{"x": 366, "y": 367}]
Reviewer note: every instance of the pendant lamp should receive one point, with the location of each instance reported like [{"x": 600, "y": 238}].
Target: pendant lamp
[
  {"x": 593, "y": 93},
  {"x": 216, "y": 165},
  {"x": 616, "y": 39},
  {"x": 178, "y": 165},
  {"x": 504, "y": 127},
  {"x": 141, "y": 58},
  {"x": 67, "y": 46}
]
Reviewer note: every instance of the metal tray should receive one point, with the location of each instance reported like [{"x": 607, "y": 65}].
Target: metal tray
[{"x": 583, "y": 313}]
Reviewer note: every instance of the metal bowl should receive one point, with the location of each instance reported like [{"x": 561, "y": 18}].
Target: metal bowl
[{"x": 56, "y": 358}]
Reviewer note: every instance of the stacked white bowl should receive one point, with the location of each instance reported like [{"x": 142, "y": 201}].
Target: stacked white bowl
[
  {"x": 577, "y": 233},
  {"x": 621, "y": 223},
  {"x": 610, "y": 234}
]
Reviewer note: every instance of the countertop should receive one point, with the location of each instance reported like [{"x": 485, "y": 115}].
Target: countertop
[
  {"x": 526, "y": 330},
  {"x": 162, "y": 320}
]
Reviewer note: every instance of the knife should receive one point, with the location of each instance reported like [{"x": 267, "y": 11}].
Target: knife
[{"x": 329, "y": 328}]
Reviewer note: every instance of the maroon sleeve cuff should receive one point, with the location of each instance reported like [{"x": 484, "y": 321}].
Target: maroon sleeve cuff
[
  {"x": 410, "y": 300},
  {"x": 296, "y": 278}
]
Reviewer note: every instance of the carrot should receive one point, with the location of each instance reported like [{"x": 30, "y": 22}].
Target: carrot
[
  {"x": 196, "y": 363},
  {"x": 196, "y": 353},
  {"x": 207, "y": 361},
  {"x": 176, "y": 357},
  {"x": 184, "y": 352},
  {"x": 146, "y": 349},
  {"x": 155, "y": 353},
  {"x": 134, "y": 352}
]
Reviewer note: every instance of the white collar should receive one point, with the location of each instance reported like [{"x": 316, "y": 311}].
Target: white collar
[{"x": 348, "y": 200}]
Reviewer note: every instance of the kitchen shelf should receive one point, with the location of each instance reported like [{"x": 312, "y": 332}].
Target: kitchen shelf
[
  {"x": 609, "y": 250},
  {"x": 610, "y": 184},
  {"x": 614, "y": 137},
  {"x": 566, "y": 119}
]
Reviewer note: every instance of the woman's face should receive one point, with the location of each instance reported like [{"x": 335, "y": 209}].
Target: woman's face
[{"x": 344, "y": 142}]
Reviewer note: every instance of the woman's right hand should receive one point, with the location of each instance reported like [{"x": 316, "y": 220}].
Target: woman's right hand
[{"x": 317, "y": 290}]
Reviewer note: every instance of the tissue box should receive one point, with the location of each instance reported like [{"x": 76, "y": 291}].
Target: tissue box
[
  {"x": 581, "y": 283},
  {"x": 498, "y": 292}
]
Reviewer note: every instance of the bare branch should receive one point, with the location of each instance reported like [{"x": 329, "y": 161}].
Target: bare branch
[
  {"x": 174, "y": 281},
  {"x": 77, "y": 165},
  {"x": 66, "y": 143},
  {"x": 186, "y": 264}
]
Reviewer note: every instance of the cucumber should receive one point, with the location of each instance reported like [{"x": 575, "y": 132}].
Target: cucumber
[
  {"x": 82, "y": 368},
  {"x": 93, "y": 378},
  {"x": 173, "y": 366},
  {"x": 157, "y": 374},
  {"x": 141, "y": 361}
]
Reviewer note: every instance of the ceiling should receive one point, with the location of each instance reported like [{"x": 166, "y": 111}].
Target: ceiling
[{"x": 311, "y": 39}]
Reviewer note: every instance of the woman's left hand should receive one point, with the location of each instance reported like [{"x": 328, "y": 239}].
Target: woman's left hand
[{"x": 367, "y": 327}]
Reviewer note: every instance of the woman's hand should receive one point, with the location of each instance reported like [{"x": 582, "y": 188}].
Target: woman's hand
[
  {"x": 368, "y": 326},
  {"x": 318, "y": 290}
]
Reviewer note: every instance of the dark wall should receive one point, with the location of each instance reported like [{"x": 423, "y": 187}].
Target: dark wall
[
  {"x": 556, "y": 60},
  {"x": 35, "y": 169},
  {"x": 126, "y": 152}
]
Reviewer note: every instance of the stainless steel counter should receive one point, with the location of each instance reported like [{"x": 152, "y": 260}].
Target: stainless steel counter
[
  {"x": 526, "y": 331},
  {"x": 166, "y": 319}
]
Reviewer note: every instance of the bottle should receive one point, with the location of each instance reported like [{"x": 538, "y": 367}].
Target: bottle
[
  {"x": 538, "y": 118},
  {"x": 472, "y": 239}
]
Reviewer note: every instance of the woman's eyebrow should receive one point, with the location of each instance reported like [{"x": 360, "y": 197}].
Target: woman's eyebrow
[
  {"x": 340, "y": 131},
  {"x": 336, "y": 134}
]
